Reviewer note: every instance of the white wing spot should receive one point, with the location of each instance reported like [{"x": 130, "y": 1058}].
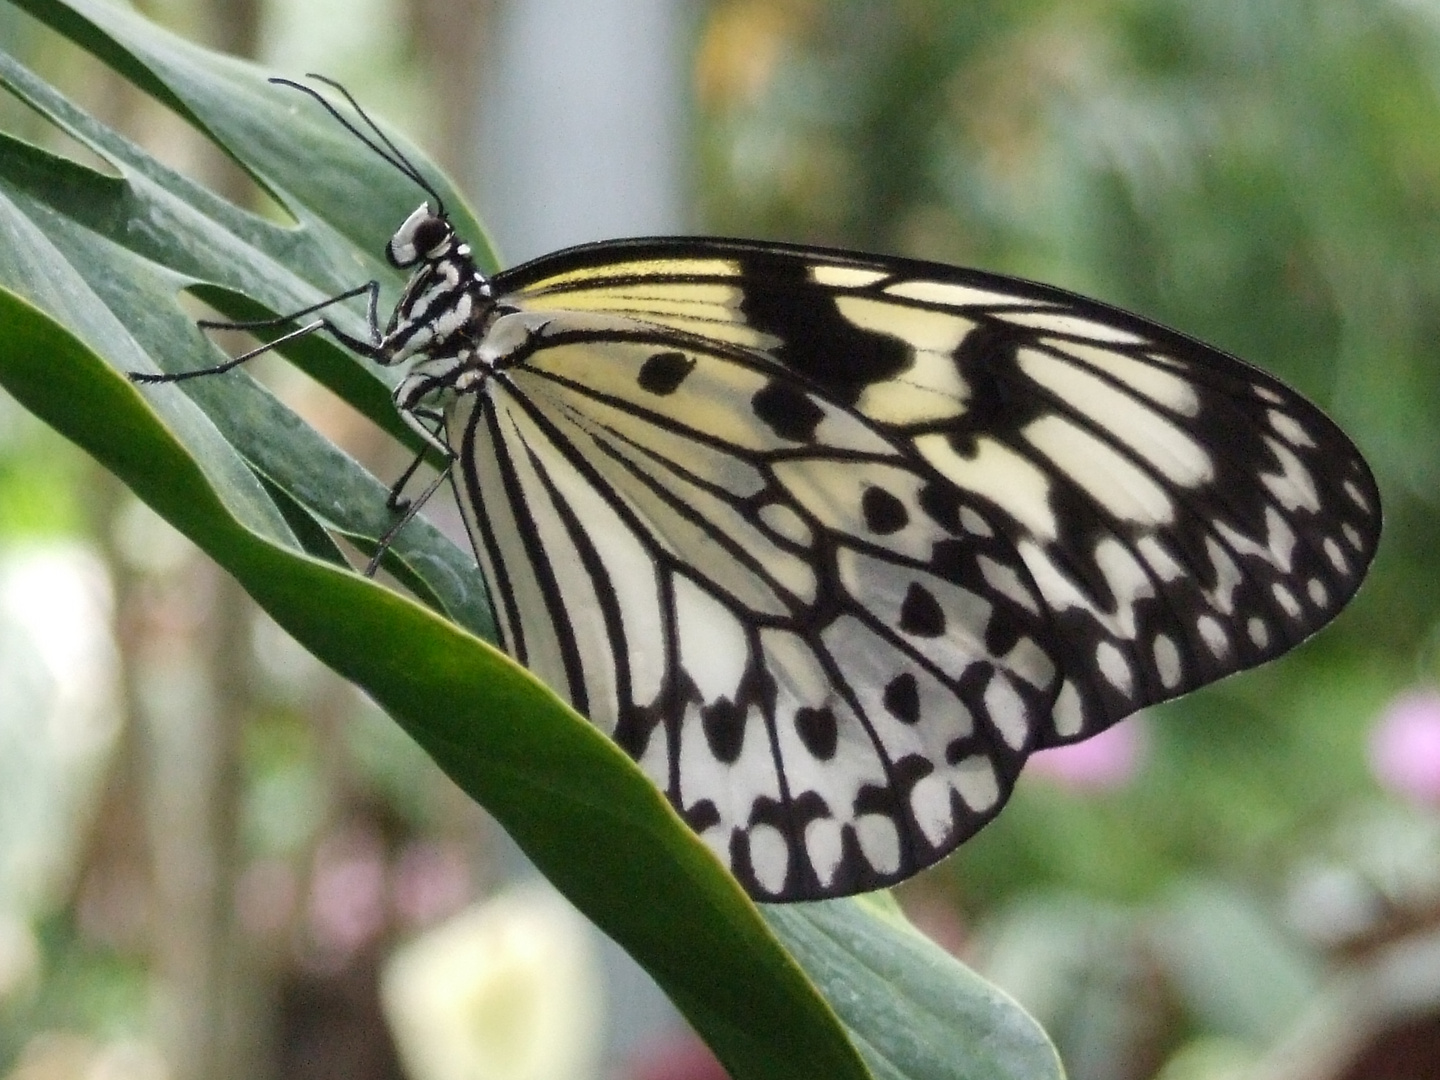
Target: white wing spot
[
  {"x": 1167, "y": 661},
  {"x": 1336, "y": 556},
  {"x": 1290, "y": 429},
  {"x": 1266, "y": 394},
  {"x": 1259, "y": 632},
  {"x": 769, "y": 857},
  {"x": 930, "y": 803},
  {"x": 879, "y": 842},
  {"x": 823, "y": 844},
  {"x": 1352, "y": 536},
  {"x": 1319, "y": 595},
  {"x": 976, "y": 781},
  {"x": 943, "y": 621},
  {"x": 1214, "y": 636},
  {"x": 846, "y": 277},
  {"x": 1353, "y": 490},
  {"x": 1007, "y": 711},
  {"x": 1279, "y": 537},
  {"x": 838, "y": 495},
  {"x": 1286, "y": 599},
  {"x": 1293, "y": 487},
  {"x": 1227, "y": 577},
  {"x": 1116, "y": 669},
  {"x": 930, "y": 390},
  {"x": 800, "y": 674},
  {"x": 1068, "y": 715},
  {"x": 1158, "y": 559},
  {"x": 924, "y": 719}
]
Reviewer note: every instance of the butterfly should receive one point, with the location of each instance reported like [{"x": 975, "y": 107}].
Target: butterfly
[{"x": 830, "y": 543}]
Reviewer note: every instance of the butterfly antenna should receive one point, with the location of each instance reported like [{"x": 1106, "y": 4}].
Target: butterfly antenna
[{"x": 380, "y": 144}]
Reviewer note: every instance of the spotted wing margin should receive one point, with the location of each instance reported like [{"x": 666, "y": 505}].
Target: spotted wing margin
[
  {"x": 1182, "y": 514},
  {"x": 792, "y": 626}
]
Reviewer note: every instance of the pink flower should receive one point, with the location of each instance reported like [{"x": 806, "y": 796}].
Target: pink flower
[
  {"x": 431, "y": 880},
  {"x": 677, "y": 1057},
  {"x": 1102, "y": 762},
  {"x": 1405, "y": 746},
  {"x": 348, "y": 890}
]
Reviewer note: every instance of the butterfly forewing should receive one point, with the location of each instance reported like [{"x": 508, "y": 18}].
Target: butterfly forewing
[{"x": 831, "y": 543}]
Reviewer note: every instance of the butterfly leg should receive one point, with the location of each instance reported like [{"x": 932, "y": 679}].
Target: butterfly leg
[
  {"x": 407, "y": 508},
  {"x": 369, "y": 348},
  {"x": 396, "y": 502}
]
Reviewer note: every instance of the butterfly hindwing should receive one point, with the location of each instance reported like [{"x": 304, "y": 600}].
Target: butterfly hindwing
[
  {"x": 830, "y": 544},
  {"x": 832, "y": 701}
]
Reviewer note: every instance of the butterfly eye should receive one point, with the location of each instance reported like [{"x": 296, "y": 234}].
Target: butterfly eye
[
  {"x": 432, "y": 237},
  {"x": 424, "y": 235}
]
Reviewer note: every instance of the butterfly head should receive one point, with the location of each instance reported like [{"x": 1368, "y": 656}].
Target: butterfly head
[{"x": 425, "y": 236}]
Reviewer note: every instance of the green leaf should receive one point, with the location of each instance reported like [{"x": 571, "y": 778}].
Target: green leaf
[
  {"x": 905, "y": 1002},
  {"x": 91, "y": 267}
]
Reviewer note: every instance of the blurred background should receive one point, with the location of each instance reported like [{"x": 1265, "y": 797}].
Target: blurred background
[{"x": 218, "y": 861}]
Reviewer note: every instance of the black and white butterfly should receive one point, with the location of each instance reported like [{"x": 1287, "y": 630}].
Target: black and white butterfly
[{"x": 829, "y": 543}]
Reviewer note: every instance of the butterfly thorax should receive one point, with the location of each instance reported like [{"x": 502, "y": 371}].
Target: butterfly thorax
[{"x": 442, "y": 319}]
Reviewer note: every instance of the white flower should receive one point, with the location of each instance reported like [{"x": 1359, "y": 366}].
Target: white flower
[{"x": 508, "y": 990}]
